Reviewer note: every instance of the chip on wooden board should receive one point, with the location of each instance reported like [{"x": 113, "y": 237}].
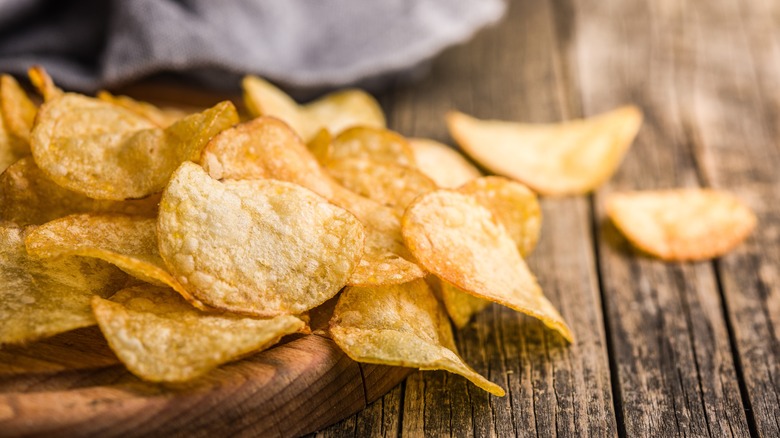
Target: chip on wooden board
[
  {"x": 443, "y": 164},
  {"x": 401, "y": 325},
  {"x": 258, "y": 247},
  {"x": 127, "y": 242},
  {"x": 459, "y": 241},
  {"x": 681, "y": 224},
  {"x": 105, "y": 151},
  {"x": 161, "y": 338},
  {"x": 334, "y": 112},
  {"x": 567, "y": 158},
  {"x": 29, "y": 197},
  {"x": 44, "y": 297}
]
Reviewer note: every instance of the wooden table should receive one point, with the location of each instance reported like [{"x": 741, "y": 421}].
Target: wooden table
[{"x": 663, "y": 349}]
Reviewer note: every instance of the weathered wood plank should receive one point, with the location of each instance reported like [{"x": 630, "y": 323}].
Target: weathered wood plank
[{"x": 675, "y": 371}]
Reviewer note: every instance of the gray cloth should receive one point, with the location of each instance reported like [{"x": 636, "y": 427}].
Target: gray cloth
[{"x": 300, "y": 44}]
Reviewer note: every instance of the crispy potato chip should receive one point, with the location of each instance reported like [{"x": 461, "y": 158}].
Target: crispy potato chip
[
  {"x": 457, "y": 239},
  {"x": 567, "y": 158},
  {"x": 267, "y": 148},
  {"x": 128, "y": 242},
  {"x": 105, "y": 151},
  {"x": 319, "y": 145},
  {"x": 260, "y": 247},
  {"x": 160, "y": 117},
  {"x": 681, "y": 224},
  {"x": 161, "y": 338},
  {"x": 43, "y": 297},
  {"x": 461, "y": 306},
  {"x": 17, "y": 112},
  {"x": 389, "y": 184},
  {"x": 43, "y": 83},
  {"x": 28, "y": 197},
  {"x": 335, "y": 112},
  {"x": 375, "y": 144},
  {"x": 401, "y": 325},
  {"x": 513, "y": 205},
  {"x": 443, "y": 164}
]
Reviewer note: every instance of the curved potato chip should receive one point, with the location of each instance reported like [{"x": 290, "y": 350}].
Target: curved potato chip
[
  {"x": 460, "y": 305},
  {"x": 375, "y": 144},
  {"x": 17, "y": 112},
  {"x": 267, "y": 148},
  {"x": 29, "y": 197},
  {"x": 161, "y": 338},
  {"x": 513, "y": 205},
  {"x": 456, "y": 238},
  {"x": 260, "y": 247},
  {"x": 400, "y": 325},
  {"x": 319, "y": 145},
  {"x": 127, "y": 242},
  {"x": 334, "y": 112},
  {"x": 108, "y": 152},
  {"x": 567, "y": 158},
  {"x": 681, "y": 224},
  {"x": 43, "y": 83},
  {"x": 160, "y": 117},
  {"x": 443, "y": 164},
  {"x": 389, "y": 184},
  {"x": 44, "y": 297}
]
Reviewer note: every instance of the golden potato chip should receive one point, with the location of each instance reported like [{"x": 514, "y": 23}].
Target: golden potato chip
[
  {"x": 260, "y": 247},
  {"x": 17, "y": 112},
  {"x": 334, "y": 112},
  {"x": 389, "y": 184},
  {"x": 375, "y": 144},
  {"x": 457, "y": 239},
  {"x": 681, "y": 224},
  {"x": 28, "y": 197},
  {"x": 443, "y": 164},
  {"x": 319, "y": 145},
  {"x": 461, "y": 306},
  {"x": 567, "y": 158},
  {"x": 43, "y": 297},
  {"x": 401, "y": 325},
  {"x": 105, "y": 151},
  {"x": 267, "y": 148},
  {"x": 513, "y": 205},
  {"x": 43, "y": 83},
  {"x": 161, "y": 338},
  {"x": 128, "y": 242},
  {"x": 160, "y": 117}
]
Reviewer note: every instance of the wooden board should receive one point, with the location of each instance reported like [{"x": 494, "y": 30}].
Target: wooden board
[{"x": 73, "y": 385}]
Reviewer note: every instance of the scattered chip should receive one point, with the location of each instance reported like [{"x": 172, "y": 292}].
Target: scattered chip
[
  {"x": 161, "y": 338},
  {"x": 335, "y": 112},
  {"x": 457, "y": 239},
  {"x": 43, "y": 83},
  {"x": 445, "y": 166},
  {"x": 128, "y": 242},
  {"x": 513, "y": 205},
  {"x": 160, "y": 117},
  {"x": 29, "y": 197},
  {"x": 259, "y": 247},
  {"x": 567, "y": 158},
  {"x": 43, "y": 297},
  {"x": 681, "y": 224},
  {"x": 401, "y": 325},
  {"x": 17, "y": 112},
  {"x": 105, "y": 151}
]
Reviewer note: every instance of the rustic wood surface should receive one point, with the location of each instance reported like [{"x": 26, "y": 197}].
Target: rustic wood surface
[{"x": 663, "y": 349}]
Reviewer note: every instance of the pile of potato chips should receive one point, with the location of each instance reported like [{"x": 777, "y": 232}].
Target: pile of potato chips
[{"x": 195, "y": 239}]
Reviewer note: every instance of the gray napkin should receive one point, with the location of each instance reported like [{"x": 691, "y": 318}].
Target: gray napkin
[{"x": 300, "y": 44}]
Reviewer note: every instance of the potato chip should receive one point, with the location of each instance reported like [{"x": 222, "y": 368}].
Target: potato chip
[
  {"x": 128, "y": 242},
  {"x": 7, "y": 154},
  {"x": 457, "y": 239},
  {"x": 567, "y": 158},
  {"x": 335, "y": 112},
  {"x": 161, "y": 338},
  {"x": 319, "y": 145},
  {"x": 374, "y": 144},
  {"x": 267, "y": 148},
  {"x": 389, "y": 184},
  {"x": 260, "y": 247},
  {"x": 461, "y": 306},
  {"x": 513, "y": 205},
  {"x": 28, "y": 197},
  {"x": 401, "y": 325},
  {"x": 160, "y": 117},
  {"x": 445, "y": 166},
  {"x": 43, "y": 83},
  {"x": 17, "y": 112},
  {"x": 681, "y": 224},
  {"x": 105, "y": 151},
  {"x": 43, "y": 297}
]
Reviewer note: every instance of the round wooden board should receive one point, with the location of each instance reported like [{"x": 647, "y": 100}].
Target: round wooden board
[{"x": 73, "y": 385}]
